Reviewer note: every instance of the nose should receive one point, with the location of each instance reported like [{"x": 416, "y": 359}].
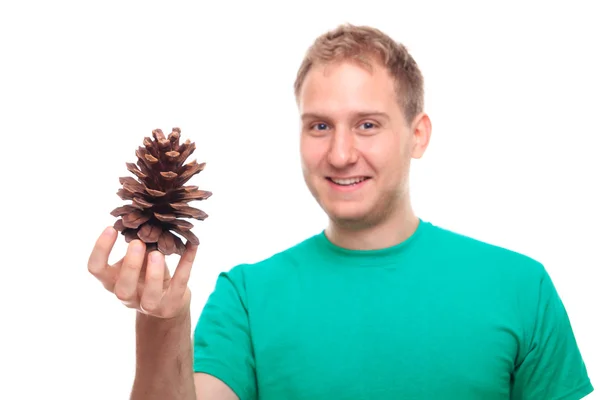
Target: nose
[{"x": 342, "y": 151}]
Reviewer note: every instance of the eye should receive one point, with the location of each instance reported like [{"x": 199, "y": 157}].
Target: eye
[
  {"x": 367, "y": 125},
  {"x": 320, "y": 126}
]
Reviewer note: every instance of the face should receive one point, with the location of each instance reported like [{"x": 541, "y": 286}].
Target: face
[{"x": 356, "y": 145}]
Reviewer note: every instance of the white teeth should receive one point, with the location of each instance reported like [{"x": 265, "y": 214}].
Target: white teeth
[{"x": 347, "y": 182}]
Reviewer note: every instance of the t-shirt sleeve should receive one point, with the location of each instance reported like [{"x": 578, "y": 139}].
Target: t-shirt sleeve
[
  {"x": 552, "y": 366},
  {"x": 222, "y": 342}
]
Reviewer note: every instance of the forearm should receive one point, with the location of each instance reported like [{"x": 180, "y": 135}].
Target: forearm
[{"x": 163, "y": 359}]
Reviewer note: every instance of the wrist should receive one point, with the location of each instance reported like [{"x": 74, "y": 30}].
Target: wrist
[{"x": 152, "y": 322}]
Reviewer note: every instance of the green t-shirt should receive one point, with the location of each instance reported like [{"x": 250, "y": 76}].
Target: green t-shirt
[{"x": 439, "y": 316}]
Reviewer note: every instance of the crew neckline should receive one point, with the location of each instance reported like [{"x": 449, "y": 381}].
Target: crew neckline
[{"x": 375, "y": 257}]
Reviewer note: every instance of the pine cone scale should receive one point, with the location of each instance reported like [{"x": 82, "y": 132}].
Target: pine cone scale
[
  {"x": 188, "y": 235},
  {"x": 197, "y": 195},
  {"x": 120, "y": 211},
  {"x": 169, "y": 176},
  {"x": 167, "y": 243},
  {"x": 143, "y": 167},
  {"x": 149, "y": 233},
  {"x": 142, "y": 203},
  {"x": 165, "y": 217},
  {"x": 118, "y": 225},
  {"x": 189, "y": 172},
  {"x": 191, "y": 212},
  {"x": 131, "y": 167},
  {"x": 155, "y": 193},
  {"x": 130, "y": 234},
  {"x": 124, "y": 195},
  {"x": 134, "y": 219},
  {"x": 181, "y": 224},
  {"x": 185, "y": 152},
  {"x": 158, "y": 134}
]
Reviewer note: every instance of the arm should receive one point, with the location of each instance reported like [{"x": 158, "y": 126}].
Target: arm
[
  {"x": 163, "y": 359},
  {"x": 163, "y": 326},
  {"x": 164, "y": 363},
  {"x": 223, "y": 345},
  {"x": 551, "y": 365}
]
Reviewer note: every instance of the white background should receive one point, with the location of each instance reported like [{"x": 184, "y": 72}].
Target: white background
[{"x": 512, "y": 90}]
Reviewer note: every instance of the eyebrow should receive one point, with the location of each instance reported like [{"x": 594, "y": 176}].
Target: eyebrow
[{"x": 360, "y": 114}]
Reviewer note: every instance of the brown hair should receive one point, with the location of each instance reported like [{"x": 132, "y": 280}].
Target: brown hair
[{"x": 362, "y": 43}]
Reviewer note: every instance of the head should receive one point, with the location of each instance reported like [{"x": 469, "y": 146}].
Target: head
[{"x": 360, "y": 98}]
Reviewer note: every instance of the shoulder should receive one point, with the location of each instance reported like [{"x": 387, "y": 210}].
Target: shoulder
[{"x": 462, "y": 249}]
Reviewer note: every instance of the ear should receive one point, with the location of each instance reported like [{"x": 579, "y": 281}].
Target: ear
[{"x": 421, "y": 133}]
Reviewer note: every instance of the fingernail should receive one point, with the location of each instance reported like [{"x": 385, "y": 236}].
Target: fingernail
[{"x": 108, "y": 231}]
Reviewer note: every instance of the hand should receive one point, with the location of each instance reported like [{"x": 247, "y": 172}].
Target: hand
[{"x": 142, "y": 281}]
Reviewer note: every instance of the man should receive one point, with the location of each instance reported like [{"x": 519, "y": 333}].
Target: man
[{"x": 381, "y": 304}]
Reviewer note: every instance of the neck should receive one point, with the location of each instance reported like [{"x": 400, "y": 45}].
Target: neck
[{"x": 391, "y": 231}]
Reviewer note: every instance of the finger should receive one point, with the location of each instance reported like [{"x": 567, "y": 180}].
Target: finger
[
  {"x": 126, "y": 285},
  {"x": 182, "y": 274},
  {"x": 153, "y": 286},
  {"x": 112, "y": 274},
  {"x": 98, "y": 260}
]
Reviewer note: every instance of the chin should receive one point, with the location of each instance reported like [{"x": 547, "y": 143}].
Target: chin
[{"x": 348, "y": 216}]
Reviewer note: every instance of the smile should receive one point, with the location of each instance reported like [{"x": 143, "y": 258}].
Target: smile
[{"x": 348, "y": 181}]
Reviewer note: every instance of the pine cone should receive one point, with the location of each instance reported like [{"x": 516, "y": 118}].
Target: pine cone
[{"x": 158, "y": 197}]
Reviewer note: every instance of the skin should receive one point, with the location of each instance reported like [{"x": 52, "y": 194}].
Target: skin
[
  {"x": 351, "y": 126},
  {"x": 164, "y": 368}
]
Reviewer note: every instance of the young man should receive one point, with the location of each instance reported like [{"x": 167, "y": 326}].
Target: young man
[{"x": 381, "y": 304}]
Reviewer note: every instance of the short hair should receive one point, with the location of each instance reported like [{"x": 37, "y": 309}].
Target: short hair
[{"x": 363, "y": 44}]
